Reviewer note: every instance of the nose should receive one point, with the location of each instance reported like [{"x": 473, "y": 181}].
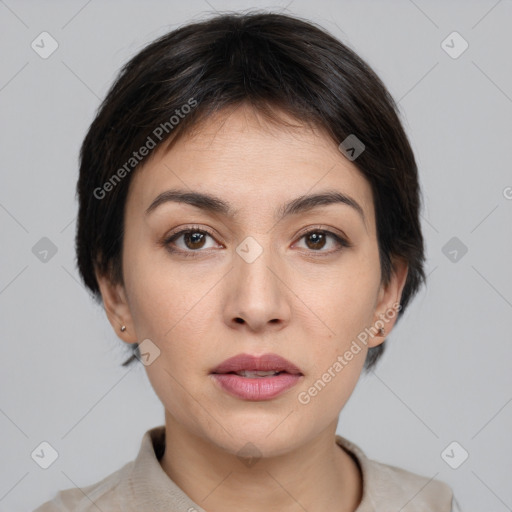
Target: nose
[{"x": 257, "y": 295}]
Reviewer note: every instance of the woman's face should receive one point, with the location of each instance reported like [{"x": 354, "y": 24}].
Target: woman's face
[{"x": 251, "y": 280}]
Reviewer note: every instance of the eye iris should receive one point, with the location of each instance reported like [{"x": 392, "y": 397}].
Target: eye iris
[
  {"x": 194, "y": 239},
  {"x": 317, "y": 239}
]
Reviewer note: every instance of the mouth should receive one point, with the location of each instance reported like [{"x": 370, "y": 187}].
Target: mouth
[{"x": 256, "y": 378}]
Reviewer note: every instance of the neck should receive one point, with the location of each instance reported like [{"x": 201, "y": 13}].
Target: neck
[{"x": 316, "y": 476}]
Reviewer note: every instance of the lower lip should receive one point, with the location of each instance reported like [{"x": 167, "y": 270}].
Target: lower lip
[{"x": 257, "y": 388}]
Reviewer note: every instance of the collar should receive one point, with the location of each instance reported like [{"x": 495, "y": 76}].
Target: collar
[{"x": 149, "y": 488}]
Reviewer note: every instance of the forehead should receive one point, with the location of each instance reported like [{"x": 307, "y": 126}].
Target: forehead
[{"x": 251, "y": 163}]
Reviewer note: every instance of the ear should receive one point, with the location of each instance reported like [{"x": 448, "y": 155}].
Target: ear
[
  {"x": 388, "y": 302},
  {"x": 117, "y": 308}
]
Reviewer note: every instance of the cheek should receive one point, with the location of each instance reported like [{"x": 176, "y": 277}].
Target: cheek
[
  {"x": 345, "y": 305},
  {"x": 174, "y": 310},
  {"x": 342, "y": 299},
  {"x": 163, "y": 296}
]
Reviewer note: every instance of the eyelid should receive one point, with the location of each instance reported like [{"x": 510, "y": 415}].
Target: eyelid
[
  {"x": 326, "y": 229},
  {"x": 181, "y": 230}
]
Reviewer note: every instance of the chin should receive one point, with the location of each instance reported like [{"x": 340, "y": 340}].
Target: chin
[{"x": 265, "y": 434}]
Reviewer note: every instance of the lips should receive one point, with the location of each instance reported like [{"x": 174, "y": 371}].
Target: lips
[
  {"x": 256, "y": 378},
  {"x": 247, "y": 365}
]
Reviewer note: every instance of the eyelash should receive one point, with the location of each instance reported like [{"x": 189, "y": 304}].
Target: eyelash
[{"x": 342, "y": 242}]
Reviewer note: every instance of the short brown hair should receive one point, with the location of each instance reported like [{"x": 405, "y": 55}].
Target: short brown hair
[{"x": 274, "y": 62}]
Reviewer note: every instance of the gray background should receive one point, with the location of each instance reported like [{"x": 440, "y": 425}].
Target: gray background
[{"x": 446, "y": 374}]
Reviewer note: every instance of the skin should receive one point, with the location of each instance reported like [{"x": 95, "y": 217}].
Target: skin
[{"x": 304, "y": 302}]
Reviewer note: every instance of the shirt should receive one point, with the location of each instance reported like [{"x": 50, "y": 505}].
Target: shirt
[{"x": 142, "y": 485}]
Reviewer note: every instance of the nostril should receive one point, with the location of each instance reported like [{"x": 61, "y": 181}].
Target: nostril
[{"x": 239, "y": 320}]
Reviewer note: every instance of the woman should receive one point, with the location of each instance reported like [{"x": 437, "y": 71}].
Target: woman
[{"x": 249, "y": 218}]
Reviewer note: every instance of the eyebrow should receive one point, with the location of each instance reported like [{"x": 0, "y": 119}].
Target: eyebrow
[{"x": 213, "y": 204}]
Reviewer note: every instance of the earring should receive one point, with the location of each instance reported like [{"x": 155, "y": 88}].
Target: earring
[
  {"x": 123, "y": 328},
  {"x": 381, "y": 331}
]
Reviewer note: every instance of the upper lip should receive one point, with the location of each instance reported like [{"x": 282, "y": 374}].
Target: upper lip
[{"x": 265, "y": 362}]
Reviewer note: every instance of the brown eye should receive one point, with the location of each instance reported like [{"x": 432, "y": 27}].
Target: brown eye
[
  {"x": 194, "y": 239},
  {"x": 188, "y": 241},
  {"x": 317, "y": 239}
]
